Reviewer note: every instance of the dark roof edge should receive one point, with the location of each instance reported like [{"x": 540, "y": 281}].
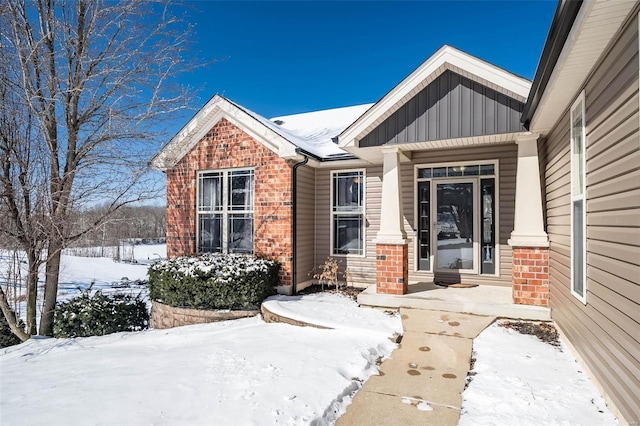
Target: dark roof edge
[
  {"x": 563, "y": 20},
  {"x": 338, "y": 157}
]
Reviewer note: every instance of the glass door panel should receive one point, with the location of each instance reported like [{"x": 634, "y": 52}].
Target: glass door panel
[
  {"x": 455, "y": 231},
  {"x": 424, "y": 224}
]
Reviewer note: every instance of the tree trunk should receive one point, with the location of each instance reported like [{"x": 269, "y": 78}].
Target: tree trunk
[
  {"x": 32, "y": 289},
  {"x": 54, "y": 253},
  {"x": 11, "y": 317}
]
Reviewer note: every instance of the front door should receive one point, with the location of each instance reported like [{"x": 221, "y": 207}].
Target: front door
[
  {"x": 455, "y": 229},
  {"x": 456, "y": 218}
]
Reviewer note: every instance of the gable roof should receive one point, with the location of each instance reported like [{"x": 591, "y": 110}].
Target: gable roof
[
  {"x": 312, "y": 132},
  {"x": 579, "y": 35},
  {"x": 450, "y": 107},
  {"x": 446, "y": 58}
]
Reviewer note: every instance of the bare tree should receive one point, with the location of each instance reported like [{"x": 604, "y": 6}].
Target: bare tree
[
  {"x": 96, "y": 77},
  {"x": 21, "y": 191}
]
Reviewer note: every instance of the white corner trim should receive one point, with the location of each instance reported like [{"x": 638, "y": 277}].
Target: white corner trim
[
  {"x": 445, "y": 58},
  {"x": 208, "y": 116}
]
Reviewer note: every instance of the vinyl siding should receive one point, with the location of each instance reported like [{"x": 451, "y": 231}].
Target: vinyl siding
[
  {"x": 363, "y": 268},
  {"x": 452, "y": 106},
  {"x": 305, "y": 223},
  {"x": 605, "y": 331}
]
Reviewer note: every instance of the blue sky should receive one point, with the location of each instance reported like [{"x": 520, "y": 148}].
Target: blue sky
[{"x": 279, "y": 58}]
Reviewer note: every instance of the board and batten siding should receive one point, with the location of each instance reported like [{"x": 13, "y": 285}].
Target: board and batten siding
[
  {"x": 363, "y": 268},
  {"x": 452, "y": 106},
  {"x": 606, "y": 330},
  {"x": 305, "y": 223}
]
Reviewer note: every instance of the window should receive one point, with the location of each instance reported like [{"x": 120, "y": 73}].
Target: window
[
  {"x": 225, "y": 211},
  {"x": 578, "y": 211},
  {"x": 347, "y": 212}
]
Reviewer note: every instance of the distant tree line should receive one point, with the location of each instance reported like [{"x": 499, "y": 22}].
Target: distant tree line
[{"x": 143, "y": 223}]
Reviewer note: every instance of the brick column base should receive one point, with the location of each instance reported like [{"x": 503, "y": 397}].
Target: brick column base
[
  {"x": 392, "y": 268},
  {"x": 530, "y": 276}
]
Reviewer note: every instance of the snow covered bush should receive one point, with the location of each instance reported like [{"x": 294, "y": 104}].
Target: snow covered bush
[
  {"x": 213, "y": 281},
  {"x": 100, "y": 314}
]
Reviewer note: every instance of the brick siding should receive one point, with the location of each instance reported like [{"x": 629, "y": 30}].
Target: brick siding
[
  {"x": 392, "y": 268},
  {"x": 226, "y": 146},
  {"x": 530, "y": 276}
]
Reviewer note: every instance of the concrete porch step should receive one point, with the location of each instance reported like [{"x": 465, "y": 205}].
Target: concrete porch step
[{"x": 482, "y": 300}]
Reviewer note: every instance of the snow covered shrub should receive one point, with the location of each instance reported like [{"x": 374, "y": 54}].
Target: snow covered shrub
[
  {"x": 213, "y": 281},
  {"x": 100, "y": 314}
]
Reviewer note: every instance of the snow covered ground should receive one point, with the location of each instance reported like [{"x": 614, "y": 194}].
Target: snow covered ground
[
  {"x": 250, "y": 372},
  {"x": 520, "y": 380},
  {"x": 238, "y": 372},
  {"x": 79, "y": 273}
]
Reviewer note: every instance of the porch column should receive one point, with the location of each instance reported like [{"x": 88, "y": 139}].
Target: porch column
[
  {"x": 529, "y": 241},
  {"x": 392, "y": 253}
]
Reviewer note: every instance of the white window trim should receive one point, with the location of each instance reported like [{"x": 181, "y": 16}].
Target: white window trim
[
  {"x": 581, "y": 197},
  {"x": 364, "y": 213},
  {"x": 496, "y": 175},
  {"x": 225, "y": 212}
]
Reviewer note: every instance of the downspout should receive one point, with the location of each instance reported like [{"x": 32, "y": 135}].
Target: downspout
[{"x": 294, "y": 232}]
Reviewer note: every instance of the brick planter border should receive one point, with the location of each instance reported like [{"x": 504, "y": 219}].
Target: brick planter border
[{"x": 165, "y": 316}]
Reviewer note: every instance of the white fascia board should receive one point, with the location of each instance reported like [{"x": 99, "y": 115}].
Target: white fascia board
[
  {"x": 451, "y": 58},
  {"x": 586, "y": 43},
  {"x": 208, "y": 116}
]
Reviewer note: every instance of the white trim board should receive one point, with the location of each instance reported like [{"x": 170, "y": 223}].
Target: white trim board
[{"x": 215, "y": 110}]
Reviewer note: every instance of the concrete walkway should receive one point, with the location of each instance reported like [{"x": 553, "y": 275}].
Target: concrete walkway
[{"x": 422, "y": 382}]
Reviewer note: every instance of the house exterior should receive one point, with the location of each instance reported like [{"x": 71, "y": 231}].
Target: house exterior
[
  {"x": 418, "y": 186},
  {"x": 462, "y": 172},
  {"x": 584, "y": 107}
]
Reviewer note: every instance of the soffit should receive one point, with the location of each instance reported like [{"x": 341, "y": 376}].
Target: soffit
[
  {"x": 593, "y": 30},
  {"x": 374, "y": 155}
]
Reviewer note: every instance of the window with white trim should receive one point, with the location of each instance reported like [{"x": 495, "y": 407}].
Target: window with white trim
[
  {"x": 578, "y": 211},
  {"x": 347, "y": 212},
  {"x": 225, "y": 211}
]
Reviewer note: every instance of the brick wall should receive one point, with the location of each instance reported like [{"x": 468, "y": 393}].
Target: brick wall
[
  {"x": 226, "y": 146},
  {"x": 530, "y": 275},
  {"x": 392, "y": 268}
]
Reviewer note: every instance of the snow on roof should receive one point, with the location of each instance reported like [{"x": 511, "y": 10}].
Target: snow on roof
[{"x": 313, "y": 131}]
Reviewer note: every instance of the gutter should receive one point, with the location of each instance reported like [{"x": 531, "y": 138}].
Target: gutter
[
  {"x": 294, "y": 215},
  {"x": 561, "y": 25},
  {"x": 336, "y": 157},
  {"x": 294, "y": 180}
]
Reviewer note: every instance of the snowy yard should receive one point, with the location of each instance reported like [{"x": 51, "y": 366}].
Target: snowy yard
[
  {"x": 79, "y": 273},
  {"x": 248, "y": 372},
  {"x": 519, "y": 380}
]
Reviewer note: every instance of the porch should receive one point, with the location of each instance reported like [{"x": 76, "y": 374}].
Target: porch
[{"x": 482, "y": 300}]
